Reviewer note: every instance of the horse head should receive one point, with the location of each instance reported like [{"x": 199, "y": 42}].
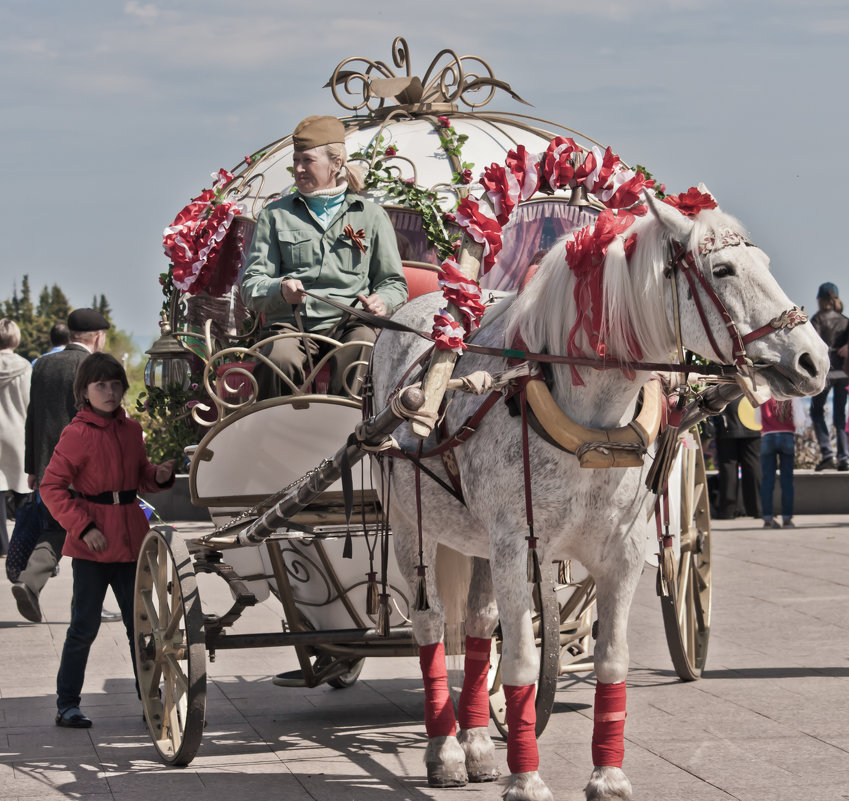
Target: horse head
[{"x": 730, "y": 307}]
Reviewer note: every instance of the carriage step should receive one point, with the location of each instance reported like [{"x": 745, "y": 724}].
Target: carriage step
[{"x": 291, "y": 678}]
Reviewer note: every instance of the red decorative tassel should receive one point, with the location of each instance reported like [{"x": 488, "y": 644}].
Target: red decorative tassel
[{"x": 371, "y": 595}]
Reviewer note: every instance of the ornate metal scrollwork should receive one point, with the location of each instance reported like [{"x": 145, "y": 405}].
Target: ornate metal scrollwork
[{"x": 449, "y": 80}]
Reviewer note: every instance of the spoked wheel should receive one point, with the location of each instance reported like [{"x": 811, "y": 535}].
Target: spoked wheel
[
  {"x": 686, "y": 605},
  {"x": 170, "y": 647},
  {"x": 546, "y": 620}
]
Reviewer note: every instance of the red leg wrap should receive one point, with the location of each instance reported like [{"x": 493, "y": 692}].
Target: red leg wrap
[
  {"x": 609, "y": 725},
  {"x": 439, "y": 711},
  {"x": 474, "y": 700},
  {"x": 522, "y": 754}
]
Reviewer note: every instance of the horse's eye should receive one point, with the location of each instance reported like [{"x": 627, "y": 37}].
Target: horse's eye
[{"x": 722, "y": 270}]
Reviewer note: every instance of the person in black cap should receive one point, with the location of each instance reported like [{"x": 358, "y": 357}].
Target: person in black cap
[
  {"x": 833, "y": 327},
  {"x": 51, "y": 408}
]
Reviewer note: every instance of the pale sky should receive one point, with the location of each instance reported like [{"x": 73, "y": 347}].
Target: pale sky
[{"x": 113, "y": 114}]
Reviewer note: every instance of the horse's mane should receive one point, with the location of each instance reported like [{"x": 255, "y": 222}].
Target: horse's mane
[{"x": 633, "y": 322}]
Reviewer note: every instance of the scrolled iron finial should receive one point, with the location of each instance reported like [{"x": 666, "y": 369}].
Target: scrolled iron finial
[{"x": 449, "y": 79}]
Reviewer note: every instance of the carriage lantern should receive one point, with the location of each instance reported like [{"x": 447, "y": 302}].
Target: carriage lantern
[{"x": 168, "y": 366}]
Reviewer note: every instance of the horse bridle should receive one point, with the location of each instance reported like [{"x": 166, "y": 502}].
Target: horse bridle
[{"x": 681, "y": 259}]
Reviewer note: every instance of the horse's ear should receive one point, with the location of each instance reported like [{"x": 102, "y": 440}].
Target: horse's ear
[{"x": 678, "y": 226}]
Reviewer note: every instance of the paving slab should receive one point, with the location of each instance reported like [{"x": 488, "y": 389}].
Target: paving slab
[{"x": 768, "y": 719}]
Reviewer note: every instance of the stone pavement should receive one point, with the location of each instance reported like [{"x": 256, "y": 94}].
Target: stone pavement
[{"x": 769, "y": 719}]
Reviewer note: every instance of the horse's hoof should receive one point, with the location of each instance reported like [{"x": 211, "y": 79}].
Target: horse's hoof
[
  {"x": 445, "y": 761},
  {"x": 526, "y": 787},
  {"x": 608, "y": 784},
  {"x": 480, "y": 754}
]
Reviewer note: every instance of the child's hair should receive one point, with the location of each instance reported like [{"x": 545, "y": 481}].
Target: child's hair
[{"x": 97, "y": 367}]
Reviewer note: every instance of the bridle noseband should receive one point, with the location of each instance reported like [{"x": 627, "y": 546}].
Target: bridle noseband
[{"x": 682, "y": 259}]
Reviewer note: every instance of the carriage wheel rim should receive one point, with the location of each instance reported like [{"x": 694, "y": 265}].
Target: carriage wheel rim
[{"x": 169, "y": 647}]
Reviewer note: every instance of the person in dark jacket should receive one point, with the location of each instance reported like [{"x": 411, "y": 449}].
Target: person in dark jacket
[
  {"x": 90, "y": 487},
  {"x": 833, "y": 327},
  {"x": 738, "y": 448},
  {"x": 51, "y": 408}
]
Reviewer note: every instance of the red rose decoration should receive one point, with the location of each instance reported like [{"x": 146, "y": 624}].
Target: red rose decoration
[{"x": 691, "y": 202}]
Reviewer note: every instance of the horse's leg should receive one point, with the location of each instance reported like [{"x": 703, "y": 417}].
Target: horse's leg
[
  {"x": 473, "y": 711},
  {"x": 615, "y": 591},
  {"x": 444, "y": 758},
  {"x": 519, "y": 668}
]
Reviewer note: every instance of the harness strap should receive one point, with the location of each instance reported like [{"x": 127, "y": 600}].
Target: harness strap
[{"x": 787, "y": 319}]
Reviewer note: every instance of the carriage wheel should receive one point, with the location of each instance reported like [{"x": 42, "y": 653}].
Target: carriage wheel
[
  {"x": 346, "y": 671},
  {"x": 686, "y": 605},
  {"x": 170, "y": 646},
  {"x": 546, "y": 621}
]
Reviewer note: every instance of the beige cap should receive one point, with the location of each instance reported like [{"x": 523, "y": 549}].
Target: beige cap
[{"x": 316, "y": 130}]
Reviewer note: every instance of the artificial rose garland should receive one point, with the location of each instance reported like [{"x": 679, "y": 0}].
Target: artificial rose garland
[
  {"x": 563, "y": 165},
  {"x": 193, "y": 241}
]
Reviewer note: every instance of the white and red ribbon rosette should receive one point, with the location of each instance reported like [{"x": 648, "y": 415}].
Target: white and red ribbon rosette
[
  {"x": 480, "y": 224},
  {"x": 464, "y": 293},
  {"x": 193, "y": 241},
  {"x": 448, "y": 334}
]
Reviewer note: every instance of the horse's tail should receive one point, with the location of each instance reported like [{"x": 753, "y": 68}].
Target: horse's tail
[{"x": 453, "y": 578}]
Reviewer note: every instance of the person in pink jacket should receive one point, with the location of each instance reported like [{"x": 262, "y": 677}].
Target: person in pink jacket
[
  {"x": 780, "y": 420},
  {"x": 90, "y": 488}
]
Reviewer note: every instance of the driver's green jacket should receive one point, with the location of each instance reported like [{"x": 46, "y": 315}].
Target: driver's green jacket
[{"x": 289, "y": 242}]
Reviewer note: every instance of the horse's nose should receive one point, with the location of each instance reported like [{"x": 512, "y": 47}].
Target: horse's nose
[{"x": 807, "y": 364}]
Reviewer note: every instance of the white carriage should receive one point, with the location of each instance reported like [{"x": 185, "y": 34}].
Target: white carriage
[{"x": 260, "y": 463}]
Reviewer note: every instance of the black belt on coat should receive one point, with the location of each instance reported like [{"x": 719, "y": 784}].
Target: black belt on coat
[{"x": 114, "y": 498}]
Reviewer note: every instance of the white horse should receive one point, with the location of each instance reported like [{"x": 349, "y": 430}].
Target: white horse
[{"x": 596, "y": 516}]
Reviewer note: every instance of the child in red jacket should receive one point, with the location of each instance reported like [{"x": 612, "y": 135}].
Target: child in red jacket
[{"x": 90, "y": 487}]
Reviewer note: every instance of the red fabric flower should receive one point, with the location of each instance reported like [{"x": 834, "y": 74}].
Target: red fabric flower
[
  {"x": 557, "y": 162},
  {"x": 444, "y": 122},
  {"x": 390, "y": 151},
  {"x": 691, "y": 202},
  {"x": 466, "y": 176}
]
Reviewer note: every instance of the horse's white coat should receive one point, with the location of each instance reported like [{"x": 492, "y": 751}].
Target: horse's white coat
[{"x": 597, "y": 517}]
